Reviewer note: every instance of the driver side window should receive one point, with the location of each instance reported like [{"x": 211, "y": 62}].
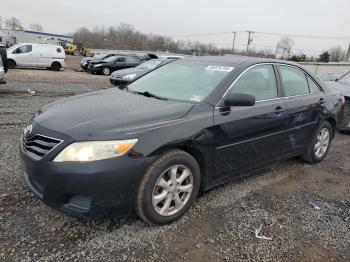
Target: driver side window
[
  {"x": 23, "y": 49},
  {"x": 120, "y": 60},
  {"x": 259, "y": 81}
]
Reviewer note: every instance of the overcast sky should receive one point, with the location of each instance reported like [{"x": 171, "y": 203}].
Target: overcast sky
[{"x": 186, "y": 17}]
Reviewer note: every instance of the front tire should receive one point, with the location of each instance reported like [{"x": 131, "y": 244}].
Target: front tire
[
  {"x": 168, "y": 188},
  {"x": 106, "y": 71},
  {"x": 11, "y": 64},
  {"x": 320, "y": 144}
]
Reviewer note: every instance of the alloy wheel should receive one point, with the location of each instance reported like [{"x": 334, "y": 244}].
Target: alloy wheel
[
  {"x": 322, "y": 142},
  {"x": 106, "y": 71},
  {"x": 172, "y": 190}
]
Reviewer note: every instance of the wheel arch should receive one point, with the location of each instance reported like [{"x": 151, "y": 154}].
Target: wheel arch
[
  {"x": 12, "y": 60},
  {"x": 201, "y": 158},
  {"x": 56, "y": 62},
  {"x": 333, "y": 123}
]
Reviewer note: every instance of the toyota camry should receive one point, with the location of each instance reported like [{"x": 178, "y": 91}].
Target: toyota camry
[{"x": 183, "y": 128}]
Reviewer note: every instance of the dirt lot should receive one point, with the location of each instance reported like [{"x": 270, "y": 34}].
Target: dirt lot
[{"x": 220, "y": 226}]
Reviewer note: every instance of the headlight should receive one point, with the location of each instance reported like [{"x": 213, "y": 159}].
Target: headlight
[
  {"x": 98, "y": 65},
  {"x": 128, "y": 77},
  {"x": 94, "y": 150}
]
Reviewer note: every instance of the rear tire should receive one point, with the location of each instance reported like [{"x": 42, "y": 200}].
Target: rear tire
[
  {"x": 56, "y": 66},
  {"x": 168, "y": 188},
  {"x": 320, "y": 144},
  {"x": 11, "y": 64}
]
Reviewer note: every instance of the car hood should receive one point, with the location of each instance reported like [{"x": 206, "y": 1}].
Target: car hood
[
  {"x": 137, "y": 71},
  {"x": 343, "y": 88},
  {"x": 96, "y": 61},
  {"x": 107, "y": 114}
]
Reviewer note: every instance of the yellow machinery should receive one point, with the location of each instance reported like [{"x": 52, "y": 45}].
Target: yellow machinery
[{"x": 76, "y": 49}]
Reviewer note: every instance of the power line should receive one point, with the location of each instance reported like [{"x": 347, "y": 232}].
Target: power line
[
  {"x": 206, "y": 34},
  {"x": 268, "y": 33},
  {"x": 305, "y": 36}
]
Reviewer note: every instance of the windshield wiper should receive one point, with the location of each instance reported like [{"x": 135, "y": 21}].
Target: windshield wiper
[{"x": 148, "y": 94}]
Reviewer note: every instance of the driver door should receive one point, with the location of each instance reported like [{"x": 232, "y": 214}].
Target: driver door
[
  {"x": 24, "y": 55},
  {"x": 249, "y": 137}
]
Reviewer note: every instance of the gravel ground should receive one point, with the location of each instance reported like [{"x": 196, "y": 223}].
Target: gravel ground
[{"x": 220, "y": 226}]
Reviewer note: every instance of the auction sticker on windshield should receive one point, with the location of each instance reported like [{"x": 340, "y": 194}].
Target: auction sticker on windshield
[{"x": 219, "y": 68}]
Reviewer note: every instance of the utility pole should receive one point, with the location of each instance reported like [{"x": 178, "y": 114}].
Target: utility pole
[
  {"x": 347, "y": 57},
  {"x": 249, "y": 41},
  {"x": 233, "y": 42},
  {"x": 278, "y": 45}
]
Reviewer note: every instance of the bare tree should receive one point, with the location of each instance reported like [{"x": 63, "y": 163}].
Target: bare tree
[
  {"x": 13, "y": 23},
  {"x": 336, "y": 54},
  {"x": 36, "y": 27},
  {"x": 285, "y": 44}
]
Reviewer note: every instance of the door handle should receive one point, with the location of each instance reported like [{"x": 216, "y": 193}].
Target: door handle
[{"x": 278, "y": 111}]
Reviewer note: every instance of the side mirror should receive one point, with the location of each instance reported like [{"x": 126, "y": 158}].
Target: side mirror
[{"x": 239, "y": 100}]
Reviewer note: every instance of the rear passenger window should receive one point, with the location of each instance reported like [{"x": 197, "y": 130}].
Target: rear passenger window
[
  {"x": 314, "y": 88},
  {"x": 294, "y": 81},
  {"x": 259, "y": 81}
]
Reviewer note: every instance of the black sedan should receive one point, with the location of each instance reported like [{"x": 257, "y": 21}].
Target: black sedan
[
  {"x": 185, "y": 127},
  {"x": 342, "y": 84},
  {"x": 126, "y": 76},
  {"x": 113, "y": 63},
  {"x": 84, "y": 63}
]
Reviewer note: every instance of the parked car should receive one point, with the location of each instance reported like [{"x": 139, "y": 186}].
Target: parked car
[
  {"x": 171, "y": 56},
  {"x": 342, "y": 84},
  {"x": 113, "y": 63},
  {"x": 36, "y": 55},
  {"x": 329, "y": 76},
  {"x": 185, "y": 127},
  {"x": 125, "y": 76},
  {"x": 84, "y": 63}
]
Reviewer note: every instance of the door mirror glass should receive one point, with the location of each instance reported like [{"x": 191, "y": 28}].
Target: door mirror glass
[{"x": 239, "y": 100}]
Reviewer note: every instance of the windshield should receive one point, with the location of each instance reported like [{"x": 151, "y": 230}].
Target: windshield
[
  {"x": 110, "y": 59},
  {"x": 182, "y": 80},
  {"x": 99, "y": 56},
  {"x": 151, "y": 64},
  {"x": 345, "y": 79},
  {"x": 13, "y": 47}
]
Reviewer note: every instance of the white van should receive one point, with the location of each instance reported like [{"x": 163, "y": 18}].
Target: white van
[{"x": 36, "y": 55}]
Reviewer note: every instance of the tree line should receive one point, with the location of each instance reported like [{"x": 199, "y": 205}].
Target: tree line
[{"x": 124, "y": 36}]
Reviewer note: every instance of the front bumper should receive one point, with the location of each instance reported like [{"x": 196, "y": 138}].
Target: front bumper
[
  {"x": 84, "y": 66},
  {"x": 93, "y": 190},
  {"x": 95, "y": 70}
]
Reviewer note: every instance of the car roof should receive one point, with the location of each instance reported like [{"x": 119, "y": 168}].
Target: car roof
[{"x": 236, "y": 60}]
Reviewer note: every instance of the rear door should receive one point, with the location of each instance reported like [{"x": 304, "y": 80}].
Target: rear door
[
  {"x": 131, "y": 61},
  {"x": 45, "y": 55},
  {"x": 248, "y": 137},
  {"x": 305, "y": 101}
]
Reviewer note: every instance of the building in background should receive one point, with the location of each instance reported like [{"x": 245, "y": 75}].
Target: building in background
[{"x": 10, "y": 37}]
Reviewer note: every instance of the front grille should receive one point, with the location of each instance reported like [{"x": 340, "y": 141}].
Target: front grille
[{"x": 39, "y": 146}]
